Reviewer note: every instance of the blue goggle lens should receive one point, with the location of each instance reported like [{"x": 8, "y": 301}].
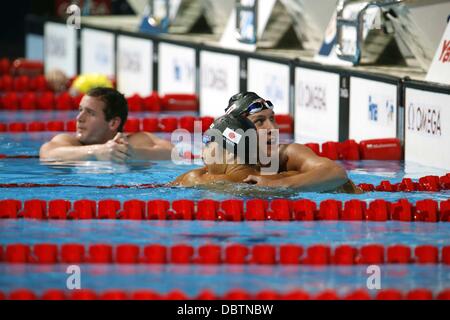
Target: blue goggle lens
[
  {"x": 207, "y": 139},
  {"x": 259, "y": 105}
]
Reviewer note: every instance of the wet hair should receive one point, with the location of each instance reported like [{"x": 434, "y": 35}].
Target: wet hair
[{"x": 115, "y": 104}]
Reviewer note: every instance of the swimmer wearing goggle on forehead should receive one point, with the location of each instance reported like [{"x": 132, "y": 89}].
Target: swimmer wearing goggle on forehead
[
  {"x": 259, "y": 105},
  {"x": 248, "y": 103},
  {"x": 256, "y": 106},
  {"x": 313, "y": 172}
]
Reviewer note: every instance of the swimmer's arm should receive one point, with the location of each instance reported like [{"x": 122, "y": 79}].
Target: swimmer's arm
[
  {"x": 146, "y": 146},
  {"x": 314, "y": 173},
  {"x": 65, "y": 147},
  {"x": 200, "y": 177},
  {"x": 190, "y": 178}
]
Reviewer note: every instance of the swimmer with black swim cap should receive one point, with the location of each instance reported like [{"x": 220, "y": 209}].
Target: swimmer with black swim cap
[
  {"x": 312, "y": 172},
  {"x": 228, "y": 153}
]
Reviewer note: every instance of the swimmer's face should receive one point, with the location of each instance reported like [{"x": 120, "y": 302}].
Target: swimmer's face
[
  {"x": 264, "y": 121},
  {"x": 92, "y": 127}
]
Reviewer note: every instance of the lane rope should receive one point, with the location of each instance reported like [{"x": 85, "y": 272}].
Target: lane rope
[
  {"x": 426, "y": 210},
  {"x": 233, "y": 294},
  {"x": 424, "y": 184},
  {"x": 232, "y": 254}
]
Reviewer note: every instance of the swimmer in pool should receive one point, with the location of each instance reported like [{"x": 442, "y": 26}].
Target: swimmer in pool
[
  {"x": 312, "y": 173},
  {"x": 99, "y": 134},
  {"x": 229, "y": 157},
  {"x": 226, "y": 154}
]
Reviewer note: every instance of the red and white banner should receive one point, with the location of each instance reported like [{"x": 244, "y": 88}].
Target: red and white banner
[{"x": 440, "y": 67}]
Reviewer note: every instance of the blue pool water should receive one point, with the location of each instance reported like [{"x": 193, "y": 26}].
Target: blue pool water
[
  {"x": 160, "y": 172},
  {"x": 249, "y": 233},
  {"x": 191, "y": 279}
]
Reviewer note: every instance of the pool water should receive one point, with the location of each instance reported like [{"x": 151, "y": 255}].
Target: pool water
[
  {"x": 192, "y": 279},
  {"x": 97, "y": 173},
  {"x": 82, "y": 180}
]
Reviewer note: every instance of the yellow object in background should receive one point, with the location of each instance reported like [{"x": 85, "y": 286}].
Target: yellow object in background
[{"x": 85, "y": 82}]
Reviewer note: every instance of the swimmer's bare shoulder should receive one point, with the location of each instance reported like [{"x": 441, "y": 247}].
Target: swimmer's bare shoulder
[
  {"x": 294, "y": 155},
  {"x": 60, "y": 140},
  {"x": 144, "y": 139},
  {"x": 190, "y": 178}
]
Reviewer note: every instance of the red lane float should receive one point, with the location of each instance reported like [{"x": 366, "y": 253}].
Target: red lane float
[
  {"x": 29, "y": 67},
  {"x": 377, "y": 149},
  {"x": 5, "y": 65},
  {"x": 179, "y": 102},
  {"x": 425, "y": 184},
  {"x": 38, "y": 88},
  {"x": 262, "y": 254},
  {"x": 164, "y": 124},
  {"x": 228, "y": 210},
  {"x": 381, "y": 149},
  {"x": 232, "y": 294}
]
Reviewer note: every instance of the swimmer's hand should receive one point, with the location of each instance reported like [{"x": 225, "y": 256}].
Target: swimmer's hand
[
  {"x": 270, "y": 180},
  {"x": 116, "y": 150},
  {"x": 262, "y": 181},
  {"x": 123, "y": 139}
]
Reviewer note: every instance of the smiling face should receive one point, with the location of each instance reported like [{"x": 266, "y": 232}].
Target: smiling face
[{"x": 92, "y": 127}]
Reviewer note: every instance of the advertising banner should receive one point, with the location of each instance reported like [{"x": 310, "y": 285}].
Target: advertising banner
[
  {"x": 373, "y": 109},
  {"x": 270, "y": 80},
  {"x": 176, "y": 69},
  {"x": 219, "y": 80},
  {"x": 60, "y": 48},
  {"x": 427, "y": 132},
  {"x": 316, "y": 106},
  {"x": 134, "y": 66},
  {"x": 97, "y": 52}
]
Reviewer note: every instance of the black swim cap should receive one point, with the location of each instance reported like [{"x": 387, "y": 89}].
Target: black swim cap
[
  {"x": 243, "y": 103},
  {"x": 234, "y": 134}
]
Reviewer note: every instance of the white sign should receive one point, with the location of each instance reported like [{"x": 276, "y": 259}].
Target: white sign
[
  {"x": 316, "y": 106},
  {"x": 427, "y": 128},
  {"x": 60, "y": 43},
  {"x": 373, "y": 109},
  {"x": 440, "y": 67},
  {"x": 97, "y": 52},
  {"x": 219, "y": 80},
  {"x": 176, "y": 69},
  {"x": 270, "y": 80},
  {"x": 134, "y": 66}
]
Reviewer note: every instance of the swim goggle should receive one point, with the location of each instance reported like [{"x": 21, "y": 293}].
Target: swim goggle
[
  {"x": 258, "y": 106},
  {"x": 207, "y": 139}
]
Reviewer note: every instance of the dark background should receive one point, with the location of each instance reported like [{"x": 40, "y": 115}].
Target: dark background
[{"x": 12, "y": 21}]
